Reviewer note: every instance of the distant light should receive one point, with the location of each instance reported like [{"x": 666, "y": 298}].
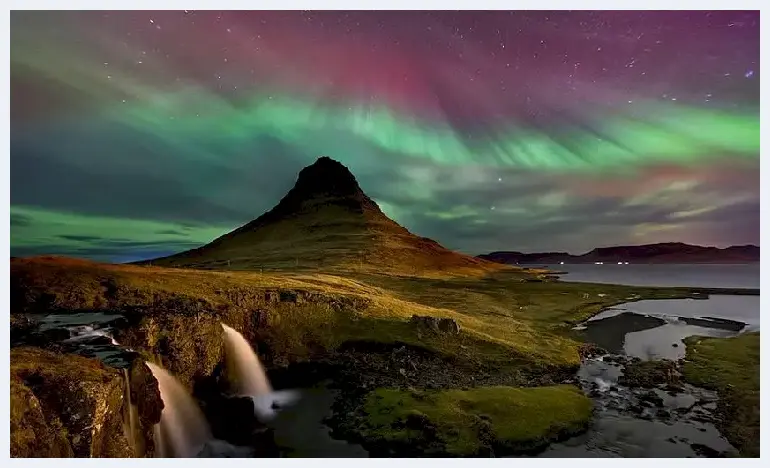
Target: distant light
[
  {"x": 620, "y": 263},
  {"x": 561, "y": 263}
]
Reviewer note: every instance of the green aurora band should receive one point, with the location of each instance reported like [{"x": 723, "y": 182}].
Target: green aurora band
[
  {"x": 645, "y": 133},
  {"x": 672, "y": 134}
]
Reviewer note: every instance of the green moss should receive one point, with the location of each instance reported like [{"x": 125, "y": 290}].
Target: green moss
[
  {"x": 731, "y": 367},
  {"x": 473, "y": 422}
]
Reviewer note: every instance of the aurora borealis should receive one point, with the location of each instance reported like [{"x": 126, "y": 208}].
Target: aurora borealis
[{"x": 137, "y": 134}]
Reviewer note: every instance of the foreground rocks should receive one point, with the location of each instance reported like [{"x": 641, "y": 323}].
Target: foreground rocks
[
  {"x": 436, "y": 324},
  {"x": 648, "y": 374},
  {"x": 68, "y": 405}
]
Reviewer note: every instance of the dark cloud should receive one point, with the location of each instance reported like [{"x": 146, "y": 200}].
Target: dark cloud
[
  {"x": 81, "y": 238},
  {"x": 238, "y": 186},
  {"x": 171, "y": 232}
]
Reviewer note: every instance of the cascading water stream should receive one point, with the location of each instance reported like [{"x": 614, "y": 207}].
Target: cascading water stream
[
  {"x": 244, "y": 365},
  {"x": 249, "y": 377},
  {"x": 183, "y": 430}
]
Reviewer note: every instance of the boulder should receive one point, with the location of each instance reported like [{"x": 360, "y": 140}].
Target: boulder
[
  {"x": 648, "y": 374},
  {"x": 436, "y": 324}
]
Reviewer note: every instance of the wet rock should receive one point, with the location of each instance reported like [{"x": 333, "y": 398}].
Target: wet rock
[
  {"x": 673, "y": 390},
  {"x": 145, "y": 397},
  {"x": 651, "y": 398},
  {"x": 234, "y": 420},
  {"x": 706, "y": 451},
  {"x": 21, "y": 327},
  {"x": 648, "y": 374},
  {"x": 222, "y": 449},
  {"x": 614, "y": 358}
]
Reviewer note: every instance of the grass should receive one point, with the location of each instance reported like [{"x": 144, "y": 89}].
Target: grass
[
  {"x": 332, "y": 238},
  {"x": 731, "y": 367},
  {"x": 476, "y": 421},
  {"x": 501, "y": 314},
  {"x": 509, "y": 325}
]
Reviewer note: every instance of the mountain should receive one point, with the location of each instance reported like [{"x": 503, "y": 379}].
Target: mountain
[
  {"x": 670, "y": 252},
  {"x": 326, "y": 221},
  {"x": 513, "y": 258}
]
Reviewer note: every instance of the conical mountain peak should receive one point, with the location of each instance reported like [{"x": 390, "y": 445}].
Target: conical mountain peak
[
  {"x": 326, "y": 182},
  {"x": 326, "y": 221},
  {"x": 327, "y": 177}
]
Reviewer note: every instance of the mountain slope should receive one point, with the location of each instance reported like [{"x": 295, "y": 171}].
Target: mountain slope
[
  {"x": 327, "y": 221},
  {"x": 669, "y": 252}
]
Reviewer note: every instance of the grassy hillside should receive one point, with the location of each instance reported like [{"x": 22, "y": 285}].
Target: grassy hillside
[
  {"x": 327, "y": 222},
  {"x": 514, "y": 332},
  {"x": 512, "y": 315}
]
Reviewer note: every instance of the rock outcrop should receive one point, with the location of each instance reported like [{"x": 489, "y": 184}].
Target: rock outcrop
[
  {"x": 436, "y": 324},
  {"x": 64, "y": 405}
]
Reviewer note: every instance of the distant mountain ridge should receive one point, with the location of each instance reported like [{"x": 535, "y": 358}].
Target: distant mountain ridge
[{"x": 668, "y": 252}]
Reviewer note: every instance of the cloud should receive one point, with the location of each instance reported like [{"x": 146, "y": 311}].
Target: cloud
[{"x": 20, "y": 220}]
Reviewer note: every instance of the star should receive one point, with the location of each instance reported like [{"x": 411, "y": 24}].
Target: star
[{"x": 332, "y": 79}]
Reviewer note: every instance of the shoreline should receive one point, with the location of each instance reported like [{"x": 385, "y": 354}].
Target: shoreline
[{"x": 735, "y": 413}]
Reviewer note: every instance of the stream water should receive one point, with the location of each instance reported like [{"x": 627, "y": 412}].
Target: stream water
[{"x": 631, "y": 422}]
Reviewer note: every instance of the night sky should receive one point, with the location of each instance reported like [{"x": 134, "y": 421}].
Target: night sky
[{"x": 138, "y": 134}]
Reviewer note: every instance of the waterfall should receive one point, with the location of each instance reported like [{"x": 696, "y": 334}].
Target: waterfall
[
  {"x": 183, "y": 430},
  {"x": 130, "y": 417},
  {"x": 249, "y": 377},
  {"x": 244, "y": 366}
]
